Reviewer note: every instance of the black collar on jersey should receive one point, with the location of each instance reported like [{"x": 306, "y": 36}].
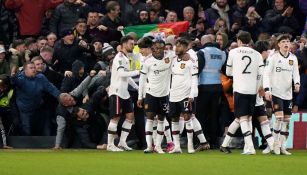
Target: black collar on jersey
[
  {"x": 123, "y": 53},
  {"x": 283, "y": 55}
]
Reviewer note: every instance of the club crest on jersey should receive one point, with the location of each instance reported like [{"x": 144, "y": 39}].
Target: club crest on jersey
[
  {"x": 166, "y": 60},
  {"x": 290, "y": 62},
  {"x": 182, "y": 65}
]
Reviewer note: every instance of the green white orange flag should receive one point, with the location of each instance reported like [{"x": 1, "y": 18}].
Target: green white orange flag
[{"x": 167, "y": 28}]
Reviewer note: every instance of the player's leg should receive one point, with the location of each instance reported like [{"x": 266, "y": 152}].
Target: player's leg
[
  {"x": 267, "y": 133},
  {"x": 233, "y": 127},
  {"x": 149, "y": 131},
  {"x": 279, "y": 115},
  {"x": 168, "y": 136},
  {"x": 115, "y": 110},
  {"x": 189, "y": 128},
  {"x": 160, "y": 134},
  {"x": 284, "y": 132},
  {"x": 126, "y": 127},
  {"x": 174, "y": 113},
  {"x": 198, "y": 131}
]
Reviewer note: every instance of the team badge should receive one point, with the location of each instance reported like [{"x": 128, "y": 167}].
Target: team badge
[
  {"x": 166, "y": 60},
  {"x": 146, "y": 106},
  {"x": 276, "y": 106},
  {"x": 182, "y": 65},
  {"x": 290, "y": 62}
]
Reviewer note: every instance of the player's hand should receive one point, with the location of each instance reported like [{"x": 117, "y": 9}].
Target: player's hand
[
  {"x": 295, "y": 109},
  {"x": 296, "y": 88},
  {"x": 268, "y": 96},
  {"x": 139, "y": 103}
]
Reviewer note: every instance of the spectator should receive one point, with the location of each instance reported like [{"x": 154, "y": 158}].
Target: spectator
[
  {"x": 188, "y": 15},
  {"x": 154, "y": 16},
  {"x": 47, "y": 53},
  {"x": 143, "y": 17},
  {"x": 67, "y": 50},
  {"x": 6, "y": 93},
  {"x": 112, "y": 22},
  {"x": 4, "y": 65},
  {"x": 280, "y": 19},
  {"x": 66, "y": 14},
  {"x": 219, "y": 9},
  {"x": 132, "y": 9},
  {"x": 17, "y": 57},
  {"x": 99, "y": 32},
  {"x": 200, "y": 29},
  {"x": 30, "y": 86},
  {"x": 8, "y": 27},
  {"x": 222, "y": 40},
  {"x": 30, "y": 20},
  {"x": 51, "y": 39},
  {"x": 220, "y": 26},
  {"x": 46, "y": 22},
  {"x": 80, "y": 31},
  {"x": 41, "y": 42},
  {"x": 171, "y": 17}
]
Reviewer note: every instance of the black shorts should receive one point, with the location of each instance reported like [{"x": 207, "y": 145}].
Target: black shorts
[
  {"x": 158, "y": 105},
  {"x": 176, "y": 108},
  {"x": 282, "y": 105},
  {"x": 244, "y": 104},
  {"x": 119, "y": 106},
  {"x": 259, "y": 111}
]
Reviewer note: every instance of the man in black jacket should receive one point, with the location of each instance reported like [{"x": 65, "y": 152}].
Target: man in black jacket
[{"x": 66, "y": 14}]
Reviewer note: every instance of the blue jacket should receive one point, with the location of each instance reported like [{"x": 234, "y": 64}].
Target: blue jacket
[
  {"x": 29, "y": 91},
  {"x": 211, "y": 60}
]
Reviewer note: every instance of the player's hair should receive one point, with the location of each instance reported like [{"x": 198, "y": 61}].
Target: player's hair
[
  {"x": 262, "y": 46},
  {"x": 244, "y": 37},
  {"x": 183, "y": 41},
  {"x": 145, "y": 42},
  {"x": 283, "y": 37},
  {"x": 125, "y": 39}
]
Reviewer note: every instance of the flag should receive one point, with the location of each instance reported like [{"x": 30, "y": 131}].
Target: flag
[{"x": 167, "y": 28}]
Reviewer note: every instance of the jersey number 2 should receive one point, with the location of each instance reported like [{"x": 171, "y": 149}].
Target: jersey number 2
[{"x": 249, "y": 62}]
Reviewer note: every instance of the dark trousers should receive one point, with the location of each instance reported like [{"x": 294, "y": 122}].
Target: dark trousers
[
  {"x": 301, "y": 96},
  {"x": 207, "y": 107}
]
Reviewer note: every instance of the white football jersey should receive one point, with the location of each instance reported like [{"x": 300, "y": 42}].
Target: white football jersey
[
  {"x": 194, "y": 59},
  {"x": 279, "y": 73},
  {"x": 120, "y": 76},
  {"x": 184, "y": 80},
  {"x": 246, "y": 66},
  {"x": 157, "y": 73}
]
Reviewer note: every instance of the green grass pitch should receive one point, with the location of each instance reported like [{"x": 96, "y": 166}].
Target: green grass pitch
[{"x": 92, "y": 162}]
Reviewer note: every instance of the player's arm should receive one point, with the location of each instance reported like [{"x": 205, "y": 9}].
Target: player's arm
[
  {"x": 296, "y": 76},
  {"x": 267, "y": 77},
  {"x": 194, "y": 83},
  {"x": 122, "y": 71},
  {"x": 142, "y": 81},
  {"x": 229, "y": 64},
  {"x": 260, "y": 72},
  {"x": 132, "y": 83}
]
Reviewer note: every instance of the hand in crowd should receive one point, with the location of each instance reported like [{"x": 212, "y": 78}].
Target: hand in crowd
[
  {"x": 85, "y": 99},
  {"x": 102, "y": 27},
  {"x": 83, "y": 44},
  {"x": 288, "y": 12},
  {"x": 68, "y": 74},
  {"x": 120, "y": 28},
  {"x": 14, "y": 51},
  {"x": 92, "y": 73}
]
